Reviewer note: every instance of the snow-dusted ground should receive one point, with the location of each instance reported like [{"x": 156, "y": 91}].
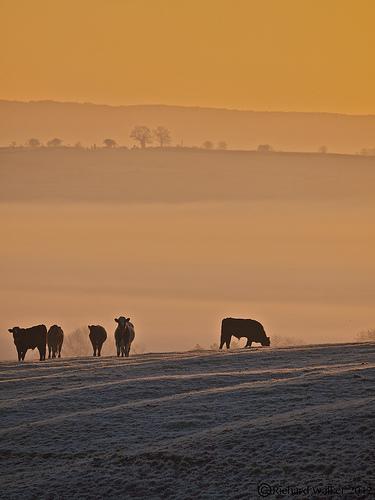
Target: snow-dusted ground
[{"x": 191, "y": 425}]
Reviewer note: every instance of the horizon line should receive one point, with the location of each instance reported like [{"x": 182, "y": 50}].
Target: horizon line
[{"x": 183, "y": 106}]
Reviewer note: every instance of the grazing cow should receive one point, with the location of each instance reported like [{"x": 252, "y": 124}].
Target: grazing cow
[
  {"x": 124, "y": 336},
  {"x": 98, "y": 336},
  {"x": 55, "y": 339},
  {"x": 249, "y": 328},
  {"x": 30, "y": 338}
]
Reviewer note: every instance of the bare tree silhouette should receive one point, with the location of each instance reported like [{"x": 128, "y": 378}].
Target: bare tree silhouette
[
  {"x": 367, "y": 152},
  {"x": 141, "y": 134},
  {"x": 33, "y": 142},
  {"x": 222, "y": 145},
  {"x": 366, "y": 335},
  {"x": 208, "y": 145},
  {"x": 77, "y": 343},
  {"x": 110, "y": 143},
  {"x": 162, "y": 136},
  {"x": 197, "y": 347},
  {"x": 54, "y": 143},
  {"x": 264, "y": 148}
]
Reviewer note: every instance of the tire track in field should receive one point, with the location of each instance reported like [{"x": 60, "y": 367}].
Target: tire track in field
[
  {"x": 191, "y": 376},
  {"x": 128, "y": 362},
  {"x": 156, "y": 378},
  {"x": 276, "y": 420},
  {"x": 175, "y": 397}
]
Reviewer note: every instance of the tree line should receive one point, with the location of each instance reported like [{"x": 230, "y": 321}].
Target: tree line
[{"x": 142, "y": 136}]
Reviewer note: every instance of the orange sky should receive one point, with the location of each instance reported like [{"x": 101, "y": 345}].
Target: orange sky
[{"x": 293, "y": 55}]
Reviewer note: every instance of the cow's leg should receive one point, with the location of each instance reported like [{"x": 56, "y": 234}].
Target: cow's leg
[
  {"x": 40, "y": 349},
  {"x": 23, "y": 354},
  {"x": 94, "y": 347},
  {"x": 49, "y": 352},
  {"x": 225, "y": 339},
  {"x": 248, "y": 343},
  {"x": 60, "y": 346},
  {"x": 99, "y": 350},
  {"x": 19, "y": 352}
]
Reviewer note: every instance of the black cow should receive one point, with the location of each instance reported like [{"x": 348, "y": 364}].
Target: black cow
[
  {"x": 249, "y": 328},
  {"x": 98, "y": 336},
  {"x": 30, "y": 338},
  {"x": 55, "y": 339},
  {"x": 124, "y": 336}
]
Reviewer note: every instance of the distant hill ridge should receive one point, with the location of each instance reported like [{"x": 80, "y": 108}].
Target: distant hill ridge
[{"x": 190, "y": 126}]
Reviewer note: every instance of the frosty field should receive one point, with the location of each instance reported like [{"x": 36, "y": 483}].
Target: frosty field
[{"x": 204, "y": 424}]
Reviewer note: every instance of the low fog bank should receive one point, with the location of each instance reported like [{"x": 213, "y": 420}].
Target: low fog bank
[
  {"x": 61, "y": 175},
  {"x": 305, "y": 270},
  {"x": 179, "y": 240}
]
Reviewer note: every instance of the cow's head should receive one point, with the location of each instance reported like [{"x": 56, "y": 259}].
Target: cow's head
[
  {"x": 18, "y": 333},
  {"x": 15, "y": 329},
  {"x": 122, "y": 321},
  {"x": 267, "y": 342}
]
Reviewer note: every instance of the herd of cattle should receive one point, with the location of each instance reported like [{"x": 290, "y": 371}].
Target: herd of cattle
[{"x": 37, "y": 337}]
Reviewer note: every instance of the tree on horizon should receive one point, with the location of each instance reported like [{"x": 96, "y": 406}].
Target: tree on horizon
[
  {"x": 264, "y": 148},
  {"x": 33, "y": 142},
  {"x": 222, "y": 145},
  {"x": 54, "y": 143},
  {"x": 141, "y": 134},
  {"x": 109, "y": 143},
  {"x": 162, "y": 136}
]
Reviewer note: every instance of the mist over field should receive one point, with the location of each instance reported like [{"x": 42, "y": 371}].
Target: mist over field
[
  {"x": 178, "y": 240},
  {"x": 165, "y": 165}
]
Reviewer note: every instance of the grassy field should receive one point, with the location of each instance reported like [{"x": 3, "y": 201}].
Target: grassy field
[{"x": 200, "y": 424}]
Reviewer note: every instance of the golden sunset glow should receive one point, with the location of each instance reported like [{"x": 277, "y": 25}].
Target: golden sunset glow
[
  {"x": 187, "y": 262},
  {"x": 292, "y": 55}
]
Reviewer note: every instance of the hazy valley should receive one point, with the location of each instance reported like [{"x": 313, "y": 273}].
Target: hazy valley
[{"x": 181, "y": 239}]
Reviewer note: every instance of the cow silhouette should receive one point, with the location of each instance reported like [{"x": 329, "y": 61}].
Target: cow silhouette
[
  {"x": 124, "y": 336},
  {"x": 30, "y": 338},
  {"x": 98, "y": 336},
  {"x": 248, "y": 328},
  {"x": 55, "y": 339}
]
